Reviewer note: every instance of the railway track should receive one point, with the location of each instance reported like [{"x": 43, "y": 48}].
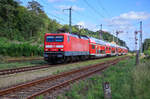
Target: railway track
[
  {"x": 22, "y": 69},
  {"x": 48, "y": 85}
]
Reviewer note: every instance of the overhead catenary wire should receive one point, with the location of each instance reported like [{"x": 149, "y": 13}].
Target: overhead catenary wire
[
  {"x": 83, "y": 15},
  {"x": 96, "y": 11},
  {"x": 56, "y": 17},
  {"x": 103, "y": 8}
]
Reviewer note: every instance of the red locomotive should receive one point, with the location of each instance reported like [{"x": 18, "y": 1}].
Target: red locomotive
[{"x": 65, "y": 47}]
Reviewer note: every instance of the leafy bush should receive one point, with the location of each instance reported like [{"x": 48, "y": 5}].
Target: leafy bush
[
  {"x": 25, "y": 49},
  {"x": 147, "y": 53}
]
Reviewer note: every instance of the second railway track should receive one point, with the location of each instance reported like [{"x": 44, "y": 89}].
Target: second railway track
[
  {"x": 49, "y": 84},
  {"x": 21, "y": 69}
]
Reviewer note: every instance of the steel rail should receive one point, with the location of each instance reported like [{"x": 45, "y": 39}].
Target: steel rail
[{"x": 21, "y": 69}]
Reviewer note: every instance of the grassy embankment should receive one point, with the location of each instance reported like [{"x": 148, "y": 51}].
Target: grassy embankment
[
  {"x": 127, "y": 82},
  {"x": 21, "y": 64}
]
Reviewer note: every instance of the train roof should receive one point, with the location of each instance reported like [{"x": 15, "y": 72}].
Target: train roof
[
  {"x": 70, "y": 34},
  {"x": 121, "y": 47},
  {"x": 112, "y": 45},
  {"x": 97, "y": 41}
]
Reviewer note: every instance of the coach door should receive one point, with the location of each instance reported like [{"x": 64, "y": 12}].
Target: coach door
[{"x": 96, "y": 49}]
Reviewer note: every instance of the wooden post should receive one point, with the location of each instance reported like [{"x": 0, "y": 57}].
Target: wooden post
[
  {"x": 107, "y": 91},
  {"x": 137, "y": 57},
  {"x": 106, "y": 88}
]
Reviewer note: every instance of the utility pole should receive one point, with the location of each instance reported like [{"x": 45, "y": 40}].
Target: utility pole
[
  {"x": 137, "y": 51},
  {"x": 100, "y": 32},
  {"x": 70, "y": 10},
  {"x": 140, "y": 37}
]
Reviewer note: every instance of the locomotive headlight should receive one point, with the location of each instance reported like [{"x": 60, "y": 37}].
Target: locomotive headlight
[
  {"x": 48, "y": 46},
  {"x": 59, "y": 46},
  {"x": 46, "y": 49}
]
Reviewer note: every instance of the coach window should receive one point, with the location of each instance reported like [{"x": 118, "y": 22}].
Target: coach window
[
  {"x": 107, "y": 48},
  {"x": 99, "y": 51},
  {"x": 93, "y": 46},
  {"x": 102, "y": 51},
  {"x": 68, "y": 39}
]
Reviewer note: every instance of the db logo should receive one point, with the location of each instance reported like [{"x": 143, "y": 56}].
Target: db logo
[{"x": 53, "y": 49}]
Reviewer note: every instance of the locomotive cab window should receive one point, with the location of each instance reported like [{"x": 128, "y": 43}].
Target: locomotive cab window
[
  {"x": 54, "y": 39},
  {"x": 50, "y": 38},
  {"x": 59, "y": 39}
]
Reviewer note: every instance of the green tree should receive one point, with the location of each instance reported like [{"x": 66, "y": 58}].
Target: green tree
[
  {"x": 53, "y": 26},
  {"x": 8, "y": 18},
  {"x": 35, "y": 6}
]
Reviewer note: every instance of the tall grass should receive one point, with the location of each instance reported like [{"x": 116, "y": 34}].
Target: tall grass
[
  {"x": 23, "y": 49},
  {"x": 141, "y": 81}
]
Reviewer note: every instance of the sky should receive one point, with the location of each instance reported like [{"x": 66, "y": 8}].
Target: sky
[{"x": 114, "y": 15}]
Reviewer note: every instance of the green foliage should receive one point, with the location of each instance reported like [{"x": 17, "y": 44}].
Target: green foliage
[
  {"x": 146, "y": 47},
  {"x": 20, "y": 23},
  {"x": 24, "y": 49},
  {"x": 35, "y": 7},
  {"x": 147, "y": 53},
  {"x": 146, "y": 44}
]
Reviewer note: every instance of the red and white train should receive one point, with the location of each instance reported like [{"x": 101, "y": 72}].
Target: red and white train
[{"x": 65, "y": 47}]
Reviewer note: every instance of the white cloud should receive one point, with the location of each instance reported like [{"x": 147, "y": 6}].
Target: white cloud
[
  {"x": 61, "y": 0},
  {"x": 118, "y": 23},
  {"x": 74, "y": 7},
  {"x": 134, "y": 16}
]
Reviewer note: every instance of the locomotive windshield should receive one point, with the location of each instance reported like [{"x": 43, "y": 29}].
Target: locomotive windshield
[{"x": 54, "y": 39}]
